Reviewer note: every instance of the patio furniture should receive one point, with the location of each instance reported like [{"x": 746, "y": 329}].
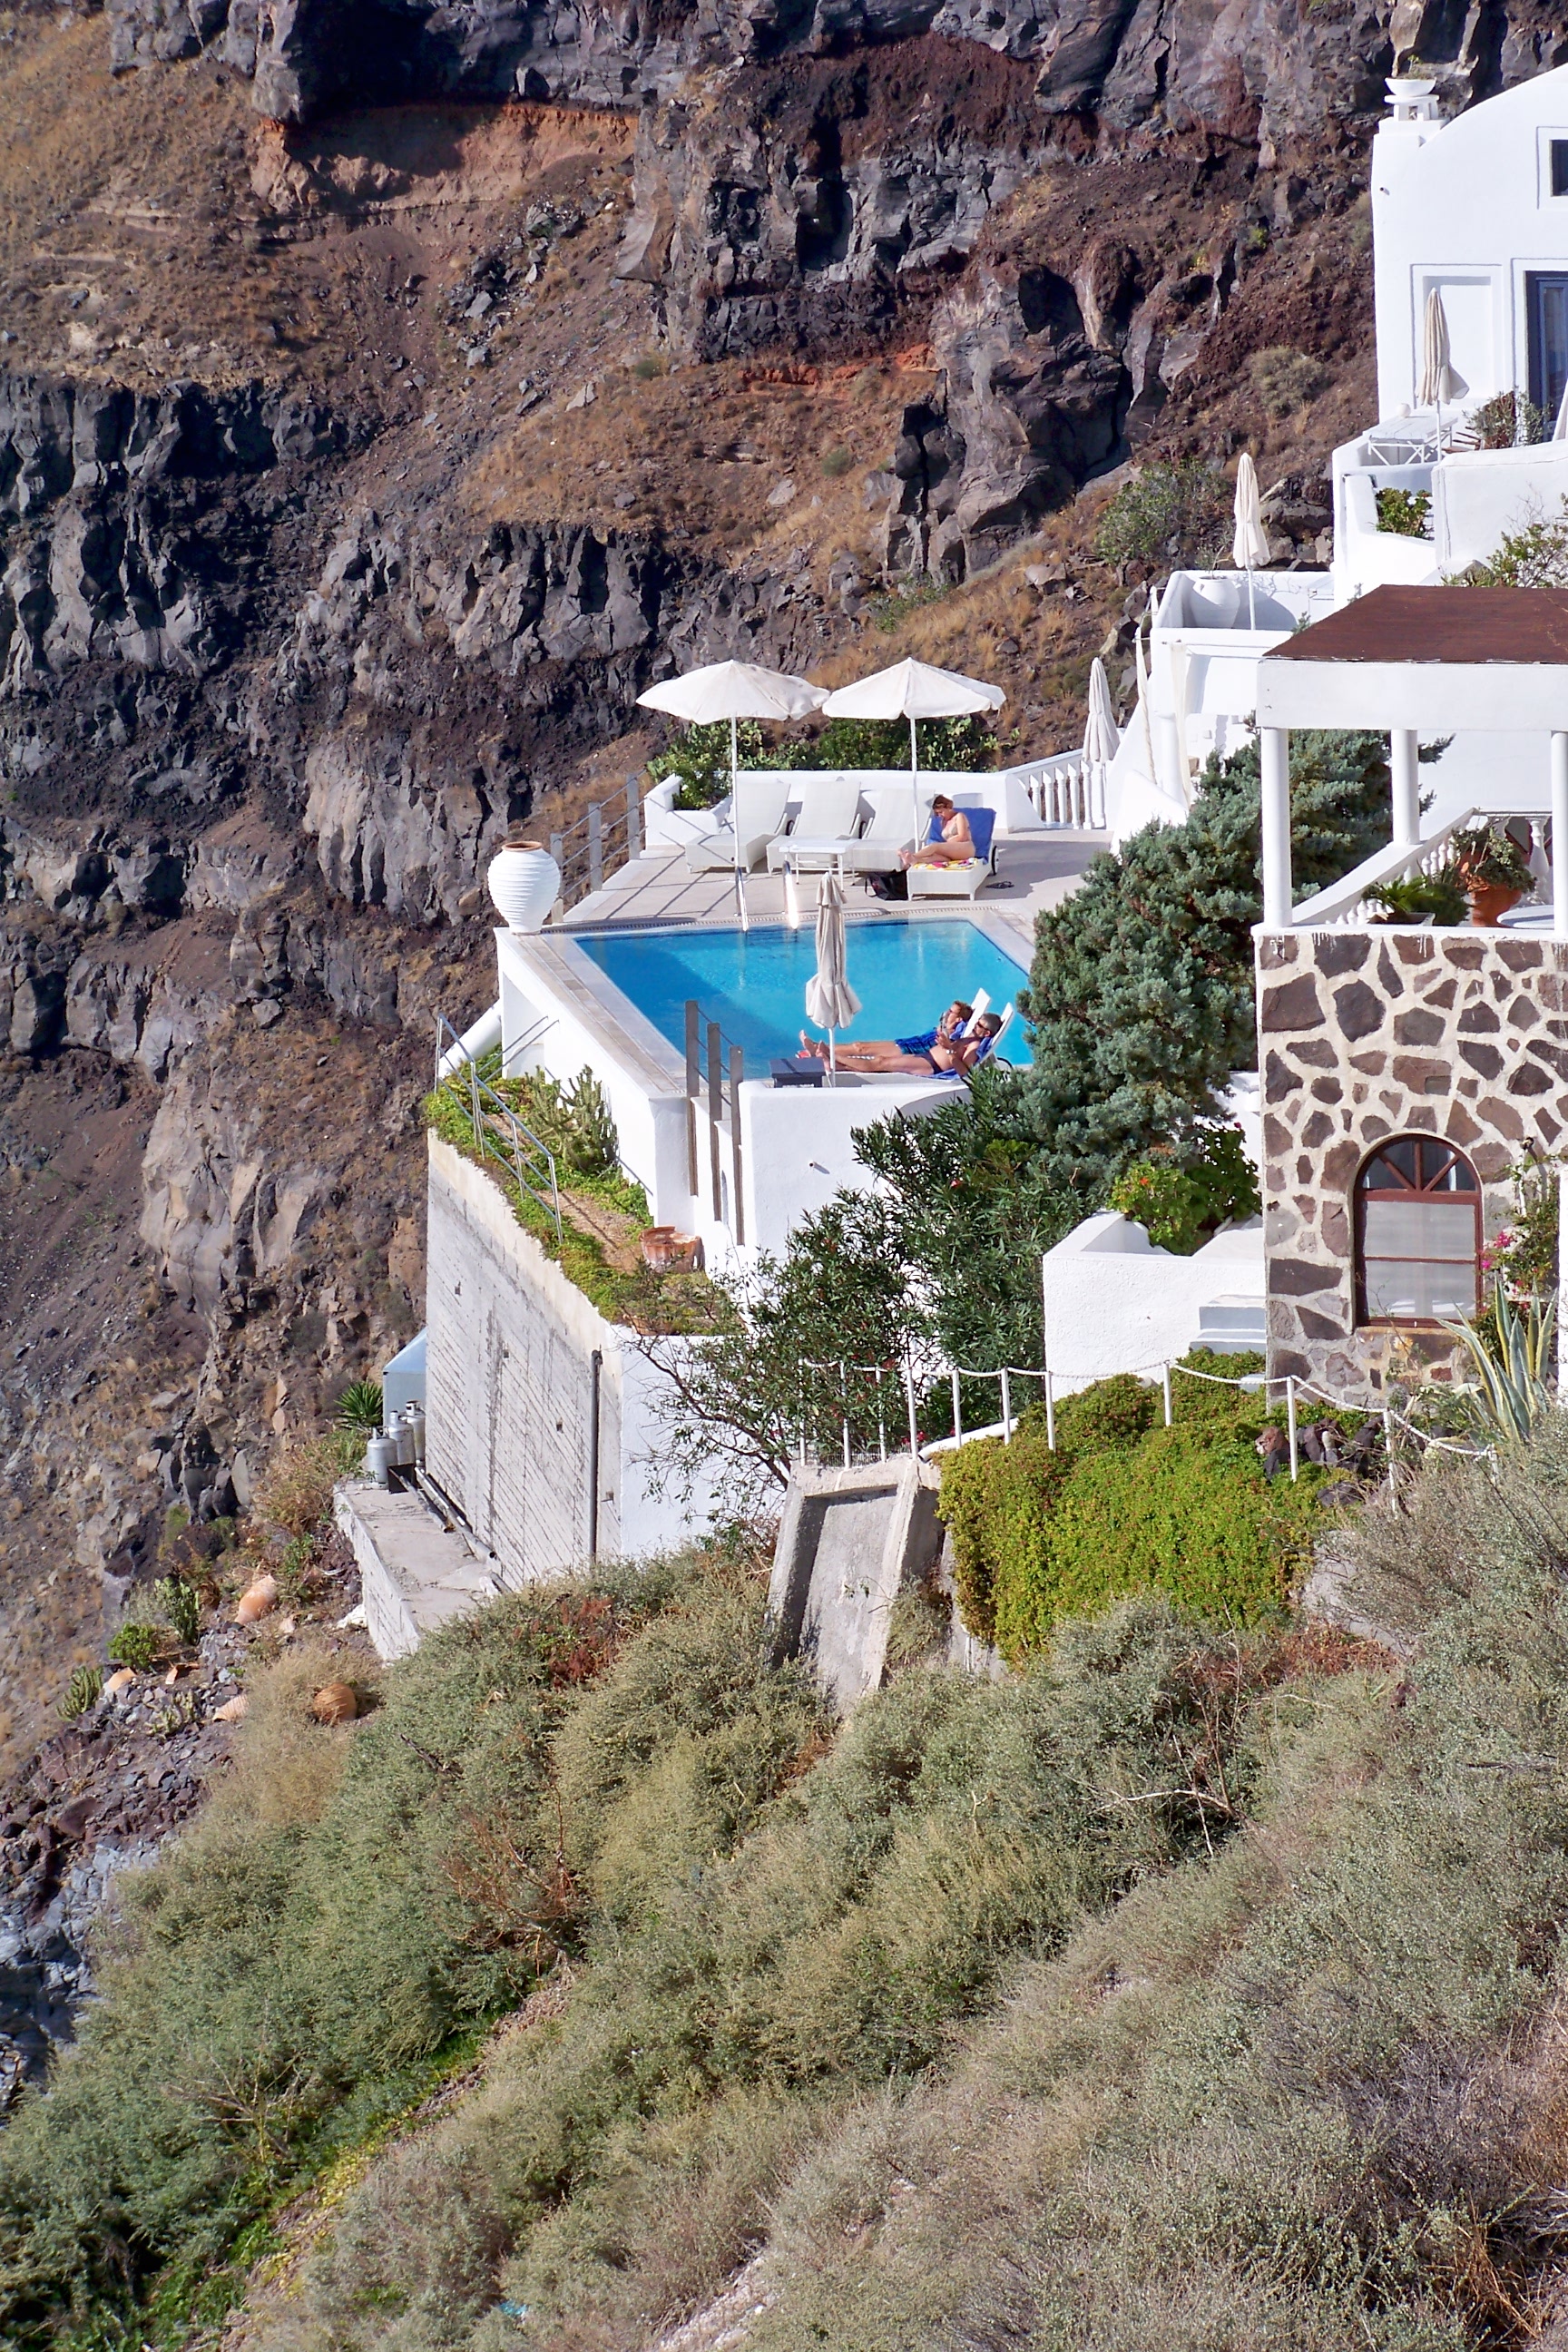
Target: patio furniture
[
  {"x": 762, "y": 802},
  {"x": 820, "y": 819},
  {"x": 964, "y": 881}
]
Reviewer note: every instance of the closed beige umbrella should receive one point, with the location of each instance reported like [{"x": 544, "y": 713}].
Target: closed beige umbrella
[
  {"x": 1439, "y": 382},
  {"x": 1249, "y": 548},
  {"x": 830, "y": 1001}
]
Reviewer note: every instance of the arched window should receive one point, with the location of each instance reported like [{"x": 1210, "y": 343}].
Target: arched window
[{"x": 1418, "y": 1233}]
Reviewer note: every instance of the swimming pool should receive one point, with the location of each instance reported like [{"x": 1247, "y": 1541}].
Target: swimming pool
[{"x": 753, "y": 982}]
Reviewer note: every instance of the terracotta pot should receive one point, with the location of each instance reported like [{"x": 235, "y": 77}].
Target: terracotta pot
[
  {"x": 335, "y": 1703},
  {"x": 1490, "y": 901},
  {"x": 665, "y": 1247},
  {"x": 525, "y": 883}
]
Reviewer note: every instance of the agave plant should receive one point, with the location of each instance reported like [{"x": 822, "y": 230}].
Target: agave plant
[
  {"x": 359, "y": 1408},
  {"x": 1511, "y": 1352}
]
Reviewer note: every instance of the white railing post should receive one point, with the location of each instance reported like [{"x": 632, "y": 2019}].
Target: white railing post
[
  {"x": 1560, "y": 835},
  {"x": 1006, "y": 1409},
  {"x": 1405, "y": 747},
  {"x": 957, "y": 1407},
  {"x": 1275, "y": 757},
  {"x": 910, "y": 1401},
  {"x": 1166, "y": 1390},
  {"x": 1290, "y": 1425}
]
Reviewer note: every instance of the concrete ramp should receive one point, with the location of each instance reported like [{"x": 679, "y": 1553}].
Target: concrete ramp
[{"x": 415, "y": 1573}]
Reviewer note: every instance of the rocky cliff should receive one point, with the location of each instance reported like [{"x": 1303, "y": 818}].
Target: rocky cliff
[{"x": 393, "y": 392}]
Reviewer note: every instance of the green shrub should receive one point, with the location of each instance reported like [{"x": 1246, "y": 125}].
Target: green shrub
[
  {"x": 1176, "y": 512},
  {"x": 836, "y": 463},
  {"x": 649, "y": 366},
  {"x": 1115, "y": 1411},
  {"x": 181, "y": 1606},
  {"x": 1534, "y": 557},
  {"x": 136, "y": 1646},
  {"x": 1406, "y": 513},
  {"x": 83, "y": 1690},
  {"x": 1122, "y": 1506},
  {"x": 1508, "y": 420},
  {"x": 1181, "y": 1202}
]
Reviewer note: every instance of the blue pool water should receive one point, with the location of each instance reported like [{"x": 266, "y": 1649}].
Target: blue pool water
[{"x": 753, "y": 982}]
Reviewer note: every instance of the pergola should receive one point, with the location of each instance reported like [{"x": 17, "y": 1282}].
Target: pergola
[{"x": 1412, "y": 662}]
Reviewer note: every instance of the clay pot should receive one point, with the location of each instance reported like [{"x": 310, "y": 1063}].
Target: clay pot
[
  {"x": 665, "y": 1247},
  {"x": 525, "y": 882},
  {"x": 335, "y": 1703},
  {"x": 233, "y": 1710},
  {"x": 1490, "y": 901},
  {"x": 257, "y": 1601}
]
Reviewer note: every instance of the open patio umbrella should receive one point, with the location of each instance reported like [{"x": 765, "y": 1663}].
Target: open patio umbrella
[
  {"x": 1250, "y": 549},
  {"x": 830, "y": 1001},
  {"x": 1439, "y": 379},
  {"x": 734, "y": 691},
  {"x": 913, "y": 691},
  {"x": 1100, "y": 735}
]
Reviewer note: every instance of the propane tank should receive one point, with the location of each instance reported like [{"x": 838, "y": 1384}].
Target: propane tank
[
  {"x": 379, "y": 1456},
  {"x": 413, "y": 1414},
  {"x": 402, "y": 1438}
]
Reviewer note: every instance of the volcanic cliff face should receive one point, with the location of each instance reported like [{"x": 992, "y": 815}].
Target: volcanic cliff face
[{"x": 392, "y": 392}]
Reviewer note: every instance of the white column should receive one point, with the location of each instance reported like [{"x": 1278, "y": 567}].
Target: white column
[
  {"x": 1274, "y": 744},
  {"x": 1560, "y": 837},
  {"x": 1405, "y": 746}
]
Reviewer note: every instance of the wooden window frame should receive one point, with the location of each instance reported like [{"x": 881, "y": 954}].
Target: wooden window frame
[{"x": 1422, "y": 1191}]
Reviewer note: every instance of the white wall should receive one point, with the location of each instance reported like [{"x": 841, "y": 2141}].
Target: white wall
[
  {"x": 796, "y": 1148},
  {"x": 1465, "y": 206},
  {"x": 1115, "y": 1303}
]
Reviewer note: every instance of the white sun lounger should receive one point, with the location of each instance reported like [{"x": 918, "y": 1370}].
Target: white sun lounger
[
  {"x": 821, "y": 823},
  {"x": 763, "y": 803}
]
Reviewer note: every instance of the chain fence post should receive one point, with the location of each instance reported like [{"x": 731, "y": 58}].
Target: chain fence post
[
  {"x": 957, "y": 1406},
  {"x": 882, "y": 1419},
  {"x": 1291, "y": 1425},
  {"x": 1050, "y": 1412},
  {"x": 910, "y": 1401},
  {"x": 1006, "y": 1409},
  {"x": 1166, "y": 1390},
  {"x": 1388, "y": 1451}
]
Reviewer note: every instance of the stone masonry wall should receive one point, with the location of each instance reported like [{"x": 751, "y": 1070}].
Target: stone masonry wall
[{"x": 1364, "y": 1034}]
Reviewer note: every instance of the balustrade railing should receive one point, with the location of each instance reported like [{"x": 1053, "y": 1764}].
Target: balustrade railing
[
  {"x": 1065, "y": 790},
  {"x": 1343, "y": 905}
]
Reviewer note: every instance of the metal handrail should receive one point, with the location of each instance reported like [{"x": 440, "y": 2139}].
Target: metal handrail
[
  {"x": 726, "y": 1074},
  {"x": 607, "y": 837},
  {"x": 528, "y": 1154}
]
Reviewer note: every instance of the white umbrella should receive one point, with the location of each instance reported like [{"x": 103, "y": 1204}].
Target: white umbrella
[
  {"x": 1100, "y": 734},
  {"x": 1560, "y": 430},
  {"x": 734, "y": 691},
  {"x": 830, "y": 1001},
  {"x": 913, "y": 691},
  {"x": 1249, "y": 548},
  {"x": 1438, "y": 380}
]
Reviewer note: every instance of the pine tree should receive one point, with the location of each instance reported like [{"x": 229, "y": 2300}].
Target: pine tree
[{"x": 1141, "y": 996}]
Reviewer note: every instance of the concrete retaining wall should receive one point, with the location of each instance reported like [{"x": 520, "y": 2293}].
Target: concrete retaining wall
[{"x": 518, "y": 1363}]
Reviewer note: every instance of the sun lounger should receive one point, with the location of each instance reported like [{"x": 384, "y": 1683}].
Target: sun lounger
[
  {"x": 821, "y": 822},
  {"x": 964, "y": 881},
  {"x": 764, "y": 800}
]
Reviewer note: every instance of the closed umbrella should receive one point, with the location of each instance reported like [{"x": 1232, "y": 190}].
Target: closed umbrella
[
  {"x": 1100, "y": 735},
  {"x": 1250, "y": 549},
  {"x": 913, "y": 691},
  {"x": 734, "y": 691},
  {"x": 830, "y": 1001},
  {"x": 1560, "y": 433},
  {"x": 1439, "y": 379}
]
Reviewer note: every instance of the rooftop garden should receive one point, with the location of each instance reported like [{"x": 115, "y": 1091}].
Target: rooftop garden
[{"x": 603, "y": 1212}]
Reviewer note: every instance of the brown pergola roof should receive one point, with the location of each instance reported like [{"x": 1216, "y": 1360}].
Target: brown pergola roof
[{"x": 1464, "y": 626}]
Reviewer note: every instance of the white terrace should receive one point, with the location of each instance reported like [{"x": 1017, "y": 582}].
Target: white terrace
[{"x": 1486, "y": 664}]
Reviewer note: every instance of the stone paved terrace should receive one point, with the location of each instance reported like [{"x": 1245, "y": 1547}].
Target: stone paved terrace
[{"x": 1034, "y": 872}]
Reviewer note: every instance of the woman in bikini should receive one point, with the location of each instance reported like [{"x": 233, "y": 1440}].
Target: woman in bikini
[
  {"x": 881, "y": 1057},
  {"x": 956, "y": 847}
]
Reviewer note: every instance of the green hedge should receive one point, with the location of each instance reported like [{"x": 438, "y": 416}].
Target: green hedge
[{"x": 1124, "y": 1505}]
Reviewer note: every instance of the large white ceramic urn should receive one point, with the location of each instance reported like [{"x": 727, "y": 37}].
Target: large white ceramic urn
[{"x": 525, "y": 882}]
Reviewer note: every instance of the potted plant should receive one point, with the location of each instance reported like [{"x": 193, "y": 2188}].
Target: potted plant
[
  {"x": 1491, "y": 870},
  {"x": 1419, "y": 899}
]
